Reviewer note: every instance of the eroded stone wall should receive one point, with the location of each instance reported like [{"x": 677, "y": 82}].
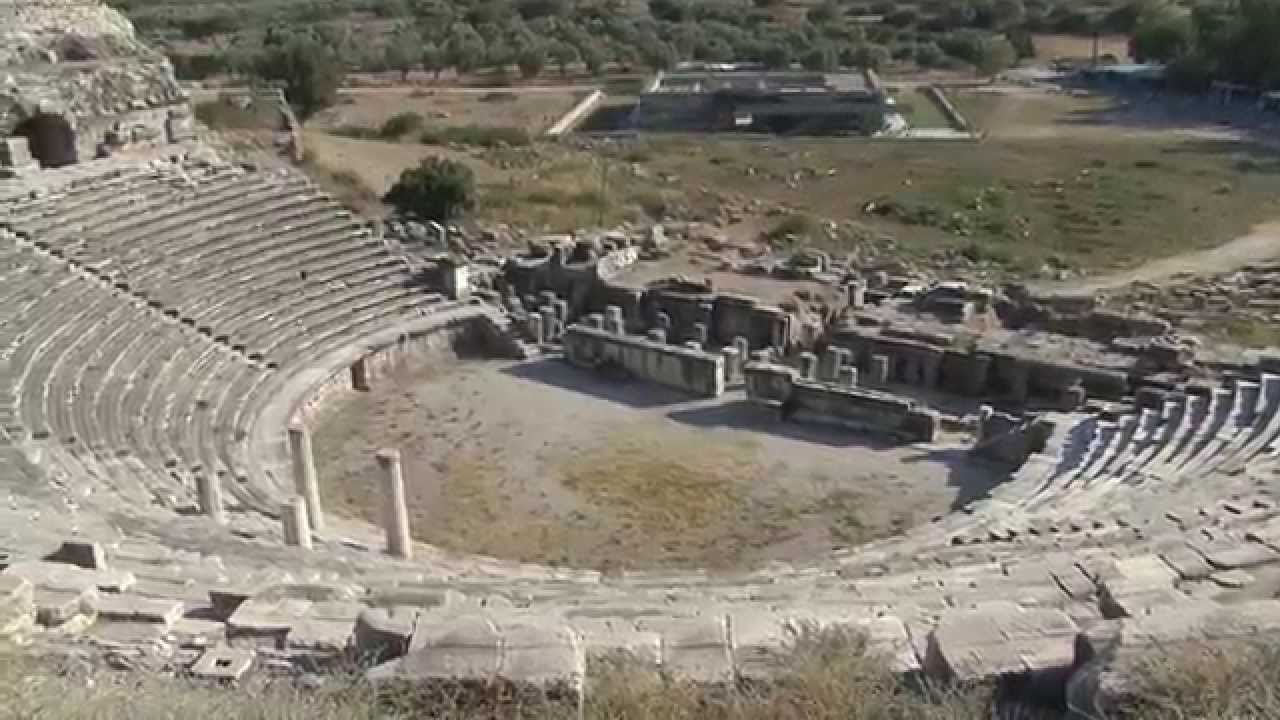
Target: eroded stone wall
[{"x": 674, "y": 366}]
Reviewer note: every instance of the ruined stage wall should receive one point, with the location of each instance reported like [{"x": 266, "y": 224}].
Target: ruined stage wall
[{"x": 674, "y": 366}]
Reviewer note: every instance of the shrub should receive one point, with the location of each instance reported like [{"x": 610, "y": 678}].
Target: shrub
[
  {"x": 401, "y": 124},
  {"x": 477, "y": 135},
  {"x": 438, "y": 189}
]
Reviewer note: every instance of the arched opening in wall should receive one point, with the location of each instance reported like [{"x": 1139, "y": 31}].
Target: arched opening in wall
[{"x": 51, "y": 139}]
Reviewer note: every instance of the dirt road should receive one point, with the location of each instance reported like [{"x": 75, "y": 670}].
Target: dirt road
[{"x": 1261, "y": 244}]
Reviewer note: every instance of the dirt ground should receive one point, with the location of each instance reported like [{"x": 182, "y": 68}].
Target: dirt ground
[
  {"x": 540, "y": 461},
  {"x": 532, "y": 108}
]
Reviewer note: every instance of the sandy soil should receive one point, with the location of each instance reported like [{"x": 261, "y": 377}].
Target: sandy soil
[
  {"x": 540, "y": 461},
  {"x": 534, "y": 108}
]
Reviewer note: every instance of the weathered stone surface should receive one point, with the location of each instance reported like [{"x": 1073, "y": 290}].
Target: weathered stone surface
[
  {"x": 55, "y": 607},
  {"x": 1000, "y": 639},
  {"x": 1229, "y": 556},
  {"x": 223, "y": 663},
  {"x": 382, "y": 634},
  {"x": 61, "y": 576},
  {"x": 17, "y": 609},
  {"x": 1133, "y": 585},
  {"x": 1108, "y": 654},
  {"x": 448, "y": 646},
  {"x": 543, "y": 652},
  {"x": 1189, "y": 564},
  {"x": 136, "y": 609},
  {"x": 697, "y": 648},
  {"x": 611, "y": 636}
]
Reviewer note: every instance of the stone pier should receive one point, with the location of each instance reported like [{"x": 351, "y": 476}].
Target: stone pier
[
  {"x": 880, "y": 369},
  {"x": 848, "y": 376},
  {"x": 808, "y": 365},
  {"x": 293, "y": 517},
  {"x": 209, "y": 488},
  {"x": 304, "y": 473},
  {"x": 733, "y": 362},
  {"x": 396, "y": 512},
  {"x": 536, "y": 331},
  {"x": 829, "y": 366},
  {"x": 360, "y": 375},
  {"x": 613, "y": 321}
]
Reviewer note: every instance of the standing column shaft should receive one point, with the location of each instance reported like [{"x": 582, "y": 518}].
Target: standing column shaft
[
  {"x": 210, "y": 489},
  {"x": 396, "y": 513},
  {"x": 293, "y": 516},
  {"x": 360, "y": 376},
  {"x": 304, "y": 473}
]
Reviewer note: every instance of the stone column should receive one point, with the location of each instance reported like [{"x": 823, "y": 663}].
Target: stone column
[
  {"x": 880, "y": 369},
  {"x": 556, "y": 333},
  {"x": 304, "y": 473},
  {"x": 829, "y": 367},
  {"x": 396, "y": 512},
  {"x": 732, "y": 365},
  {"x": 663, "y": 321},
  {"x": 700, "y": 333},
  {"x": 856, "y": 291},
  {"x": 360, "y": 375},
  {"x": 549, "y": 321},
  {"x": 210, "y": 489},
  {"x": 536, "y": 331},
  {"x": 744, "y": 347},
  {"x": 848, "y": 376},
  {"x": 808, "y": 365},
  {"x": 547, "y": 297},
  {"x": 595, "y": 321},
  {"x": 293, "y": 516},
  {"x": 561, "y": 308},
  {"x": 613, "y": 321}
]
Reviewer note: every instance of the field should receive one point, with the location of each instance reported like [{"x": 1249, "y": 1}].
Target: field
[
  {"x": 1056, "y": 180},
  {"x": 533, "y": 109}
]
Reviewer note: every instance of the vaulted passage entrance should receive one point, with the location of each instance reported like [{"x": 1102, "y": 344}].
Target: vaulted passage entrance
[{"x": 51, "y": 139}]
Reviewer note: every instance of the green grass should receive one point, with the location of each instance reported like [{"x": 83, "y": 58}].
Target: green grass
[{"x": 1087, "y": 204}]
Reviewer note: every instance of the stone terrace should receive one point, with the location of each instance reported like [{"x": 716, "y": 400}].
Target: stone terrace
[{"x": 165, "y": 319}]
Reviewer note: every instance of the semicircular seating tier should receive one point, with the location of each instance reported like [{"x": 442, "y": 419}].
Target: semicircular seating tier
[{"x": 153, "y": 314}]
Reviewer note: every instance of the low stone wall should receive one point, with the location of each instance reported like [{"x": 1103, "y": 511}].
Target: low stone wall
[
  {"x": 674, "y": 366},
  {"x": 853, "y": 407}
]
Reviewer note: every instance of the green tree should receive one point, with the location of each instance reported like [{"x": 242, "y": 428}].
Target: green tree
[
  {"x": 1163, "y": 37},
  {"x": 996, "y": 55},
  {"x": 871, "y": 56},
  {"x": 776, "y": 56},
  {"x": 403, "y": 52},
  {"x": 438, "y": 189},
  {"x": 822, "y": 58},
  {"x": 531, "y": 59},
  {"x": 308, "y": 72},
  {"x": 564, "y": 55},
  {"x": 433, "y": 59},
  {"x": 593, "y": 58},
  {"x": 465, "y": 50}
]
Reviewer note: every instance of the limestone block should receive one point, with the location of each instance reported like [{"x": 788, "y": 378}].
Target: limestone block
[
  {"x": 116, "y": 607},
  {"x": 1189, "y": 564},
  {"x": 1229, "y": 555},
  {"x": 1109, "y": 653},
  {"x": 1133, "y": 585},
  {"x": 61, "y": 576},
  {"x": 327, "y": 629},
  {"x": 697, "y": 648},
  {"x": 89, "y": 555},
  {"x": 266, "y": 622},
  {"x": 1232, "y": 579},
  {"x": 55, "y": 607},
  {"x": 382, "y": 634},
  {"x": 543, "y": 653},
  {"x": 17, "y": 608},
  {"x": 447, "y": 645},
  {"x": 190, "y": 632},
  {"x": 223, "y": 663},
  {"x": 998, "y": 639},
  {"x": 615, "y": 636}
]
